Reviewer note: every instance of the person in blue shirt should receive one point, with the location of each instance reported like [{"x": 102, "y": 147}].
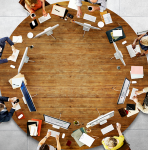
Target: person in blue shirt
[
  {"x": 2, "y": 46},
  {"x": 143, "y": 42}
]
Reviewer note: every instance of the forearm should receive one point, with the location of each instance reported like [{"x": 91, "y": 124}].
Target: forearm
[
  {"x": 42, "y": 141},
  {"x": 4, "y": 99},
  {"x": 29, "y": 9},
  {"x": 43, "y": 5},
  {"x": 58, "y": 145},
  {"x": 119, "y": 132},
  {"x": 140, "y": 36}
]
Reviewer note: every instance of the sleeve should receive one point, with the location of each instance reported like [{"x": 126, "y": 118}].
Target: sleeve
[
  {"x": 121, "y": 137},
  {"x": 4, "y": 99},
  {"x": 3, "y": 61},
  {"x": 9, "y": 116},
  {"x": 103, "y": 6},
  {"x": 8, "y": 40},
  {"x": 79, "y": 3},
  {"x": 140, "y": 107},
  {"x": 38, "y": 147},
  {"x": 145, "y": 89},
  {"x": 106, "y": 147}
]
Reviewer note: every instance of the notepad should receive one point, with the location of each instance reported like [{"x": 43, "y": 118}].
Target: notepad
[
  {"x": 17, "y": 39},
  {"x": 86, "y": 139}
]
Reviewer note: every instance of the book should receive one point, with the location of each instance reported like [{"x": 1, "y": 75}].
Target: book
[
  {"x": 136, "y": 72},
  {"x": 86, "y": 139},
  {"x": 39, "y": 125},
  {"x": 76, "y": 135},
  {"x": 132, "y": 52},
  {"x": 58, "y": 10}
]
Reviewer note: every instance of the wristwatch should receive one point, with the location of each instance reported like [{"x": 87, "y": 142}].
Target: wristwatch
[{"x": 45, "y": 137}]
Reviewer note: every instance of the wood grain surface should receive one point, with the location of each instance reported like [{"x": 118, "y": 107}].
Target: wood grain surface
[{"x": 72, "y": 75}]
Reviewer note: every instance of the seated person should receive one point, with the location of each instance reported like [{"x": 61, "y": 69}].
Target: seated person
[
  {"x": 43, "y": 146},
  {"x": 114, "y": 143},
  {"x": 143, "y": 108},
  {"x": 99, "y": 2},
  {"x": 143, "y": 42},
  {"x": 2, "y": 44},
  {"x": 4, "y": 114},
  {"x": 33, "y": 5}
]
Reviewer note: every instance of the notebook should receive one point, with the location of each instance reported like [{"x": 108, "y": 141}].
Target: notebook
[
  {"x": 86, "y": 139},
  {"x": 58, "y": 10}
]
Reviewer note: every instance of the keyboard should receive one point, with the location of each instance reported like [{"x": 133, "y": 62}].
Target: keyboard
[
  {"x": 107, "y": 129},
  {"x": 43, "y": 19},
  {"x": 89, "y": 17},
  {"x": 53, "y": 133}
]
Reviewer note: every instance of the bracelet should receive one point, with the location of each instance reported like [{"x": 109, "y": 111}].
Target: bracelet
[{"x": 45, "y": 137}]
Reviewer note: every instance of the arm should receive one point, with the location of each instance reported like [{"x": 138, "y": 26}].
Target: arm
[
  {"x": 58, "y": 143},
  {"x": 4, "y": 99},
  {"x": 9, "y": 116},
  {"x": 8, "y": 40},
  {"x": 7, "y": 59},
  {"x": 44, "y": 139},
  {"x": 43, "y": 6},
  {"x": 28, "y": 8},
  {"x": 140, "y": 107},
  {"x": 119, "y": 129},
  {"x": 79, "y": 4}
]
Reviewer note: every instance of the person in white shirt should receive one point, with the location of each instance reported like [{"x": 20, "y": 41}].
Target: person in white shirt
[{"x": 102, "y": 6}]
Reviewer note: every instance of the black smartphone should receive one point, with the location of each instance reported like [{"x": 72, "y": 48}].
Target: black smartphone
[
  {"x": 89, "y": 8},
  {"x": 16, "y": 101}
]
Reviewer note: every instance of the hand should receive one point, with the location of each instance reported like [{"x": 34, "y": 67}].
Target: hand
[
  {"x": 13, "y": 48},
  {"x": 48, "y": 134},
  {"x": 119, "y": 126},
  {"x": 44, "y": 13},
  {"x": 15, "y": 105},
  {"x": 79, "y": 13},
  {"x": 134, "y": 45},
  {"x": 57, "y": 137},
  {"x": 12, "y": 99},
  {"x": 11, "y": 57},
  {"x": 135, "y": 99}
]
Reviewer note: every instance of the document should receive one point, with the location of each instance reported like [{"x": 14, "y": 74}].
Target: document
[
  {"x": 58, "y": 10},
  {"x": 107, "y": 18},
  {"x": 17, "y": 39},
  {"x": 16, "y": 82},
  {"x": 72, "y": 4},
  {"x": 16, "y": 55},
  {"x": 86, "y": 139}
]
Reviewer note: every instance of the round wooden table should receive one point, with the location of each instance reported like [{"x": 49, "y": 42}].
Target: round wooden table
[{"x": 72, "y": 75}]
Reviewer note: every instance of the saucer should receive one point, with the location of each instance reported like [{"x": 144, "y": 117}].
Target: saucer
[
  {"x": 30, "y": 35},
  {"x": 100, "y": 24}
]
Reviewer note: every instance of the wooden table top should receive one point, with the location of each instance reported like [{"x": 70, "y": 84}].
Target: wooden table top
[{"x": 72, "y": 75}]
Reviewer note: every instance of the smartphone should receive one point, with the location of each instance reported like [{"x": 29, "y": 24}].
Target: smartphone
[
  {"x": 89, "y": 8},
  {"x": 16, "y": 101}
]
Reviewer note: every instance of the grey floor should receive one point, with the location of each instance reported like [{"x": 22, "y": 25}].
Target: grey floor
[{"x": 135, "y": 12}]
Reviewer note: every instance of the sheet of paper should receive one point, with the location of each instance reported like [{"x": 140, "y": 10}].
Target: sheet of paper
[
  {"x": 17, "y": 107},
  {"x": 107, "y": 18},
  {"x": 16, "y": 55},
  {"x": 33, "y": 131},
  {"x": 133, "y": 93},
  {"x": 58, "y": 10},
  {"x": 16, "y": 82},
  {"x": 72, "y": 4},
  {"x": 132, "y": 112},
  {"x": 117, "y": 33},
  {"x": 89, "y": 17},
  {"x": 17, "y": 39},
  {"x": 86, "y": 139}
]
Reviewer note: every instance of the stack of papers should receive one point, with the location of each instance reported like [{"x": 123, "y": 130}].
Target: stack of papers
[
  {"x": 72, "y": 4},
  {"x": 86, "y": 139},
  {"x": 16, "y": 55},
  {"x": 17, "y": 39},
  {"x": 132, "y": 52},
  {"x": 107, "y": 18},
  {"x": 136, "y": 72}
]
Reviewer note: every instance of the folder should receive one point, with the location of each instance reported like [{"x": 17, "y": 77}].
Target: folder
[{"x": 39, "y": 125}]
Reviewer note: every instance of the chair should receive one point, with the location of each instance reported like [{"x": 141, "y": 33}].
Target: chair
[{"x": 22, "y": 2}]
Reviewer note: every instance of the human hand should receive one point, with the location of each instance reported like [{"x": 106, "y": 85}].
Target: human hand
[
  {"x": 79, "y": 13},
  {"x": 57, "y": 137},
  {"x": 135, "y": 99},
  {"x": 44, "y": 13},
  {"x": 15, "y": 105},
  {"x": 13, "y": 48},
  {"x": 11, "y": 57},
  {"x": 13, "y": 99},
  {"x": 119, "y": 126},
  {"x": 48, "y": 134}
]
